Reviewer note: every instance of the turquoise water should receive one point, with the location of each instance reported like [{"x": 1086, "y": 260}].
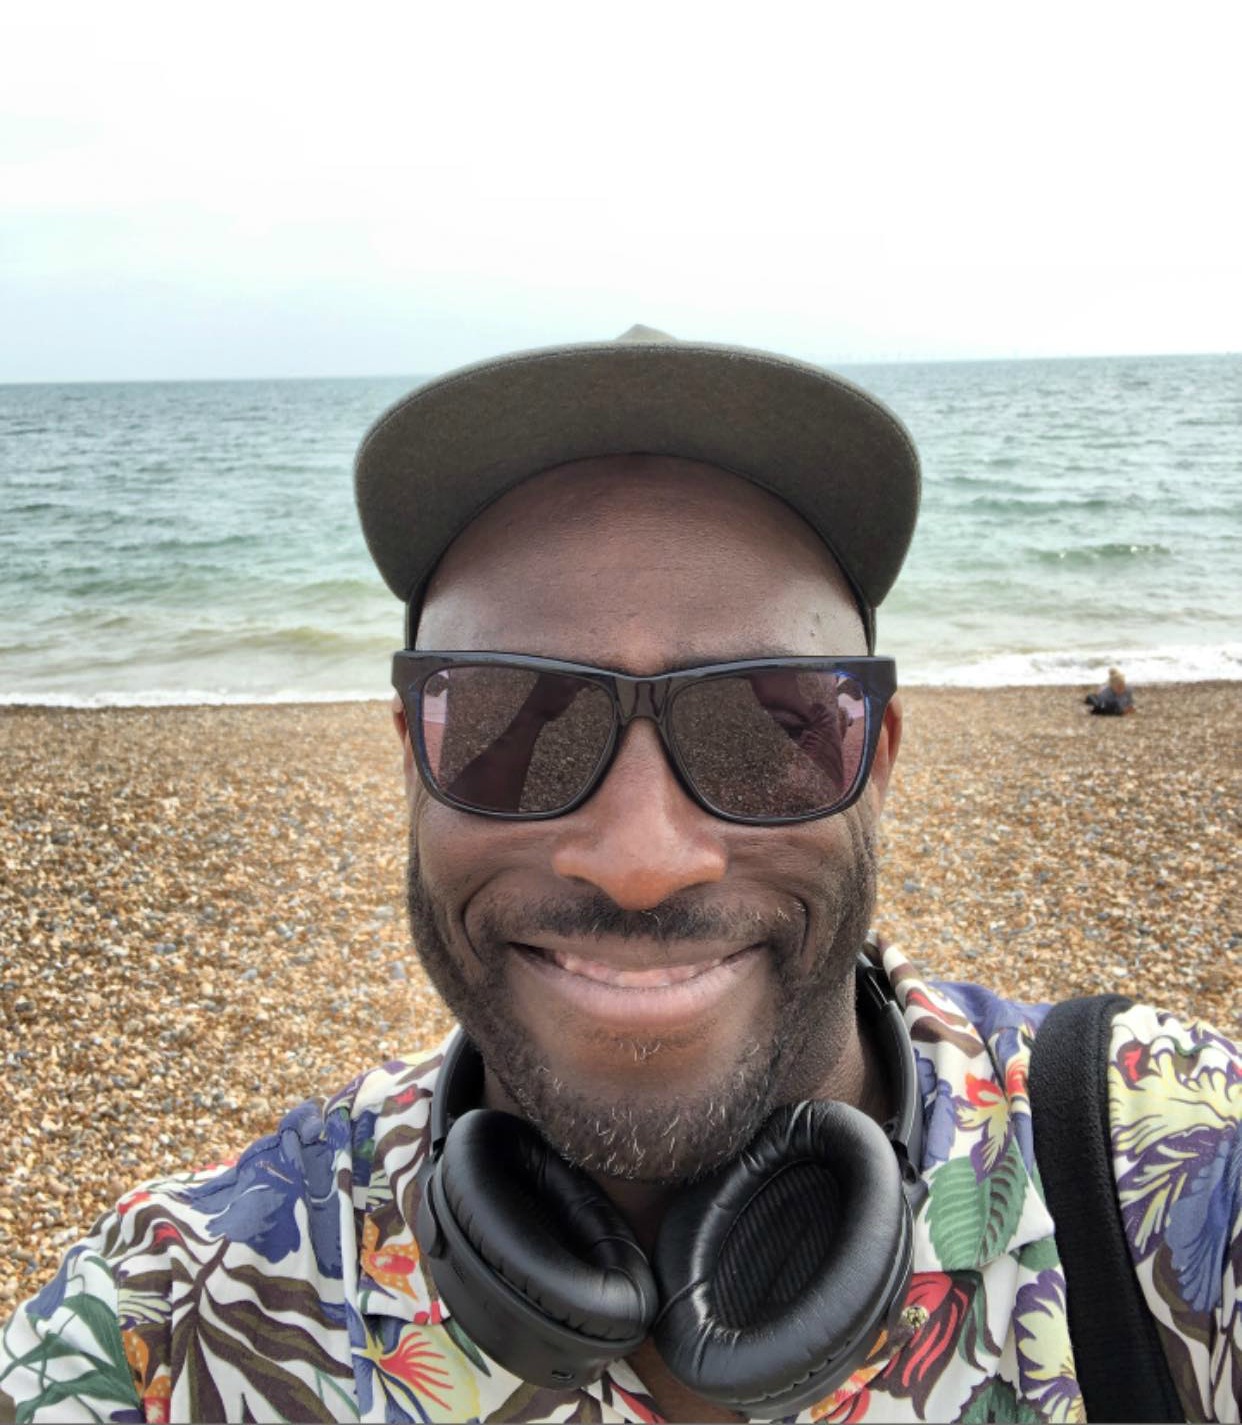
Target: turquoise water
[{"x": 197, "y": 542}]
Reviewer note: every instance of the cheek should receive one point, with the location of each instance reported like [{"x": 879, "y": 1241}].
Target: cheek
[
  {"x": 444, "y": 844},
  {"x": 829, "y": 866},
  {"x": 458, "y": 854},
  {"x": 807, "y": 858}
]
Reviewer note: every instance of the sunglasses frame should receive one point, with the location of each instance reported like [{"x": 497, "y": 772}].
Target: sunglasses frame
[{"x": 650, "y": 697}]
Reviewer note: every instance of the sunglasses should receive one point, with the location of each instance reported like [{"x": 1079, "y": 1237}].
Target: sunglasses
[{"x": 763, "y": 741}]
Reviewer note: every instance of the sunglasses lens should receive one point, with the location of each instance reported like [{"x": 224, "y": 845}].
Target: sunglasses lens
[
  {"x": 512, "y": 739},
  {"x": 777, "y": 742}
]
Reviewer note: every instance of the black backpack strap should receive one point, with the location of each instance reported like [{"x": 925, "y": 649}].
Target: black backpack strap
[{"x": 1121, "y": 1364}]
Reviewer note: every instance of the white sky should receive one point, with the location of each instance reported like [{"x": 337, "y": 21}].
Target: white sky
[{"x": 271, "y": 189}]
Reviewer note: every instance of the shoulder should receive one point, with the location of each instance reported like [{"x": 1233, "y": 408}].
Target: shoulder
[
  {"x": 953, "y": 1020},
  {"x": 972, "y": 1052},
  {"x": 277, "y": 1199},
  {"x": 187, "y": 1265}
]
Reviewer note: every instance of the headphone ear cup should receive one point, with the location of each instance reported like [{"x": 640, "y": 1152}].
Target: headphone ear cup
[
  {"x": 778, "y": 1271},
  {"x": 530, "y": 1257}
]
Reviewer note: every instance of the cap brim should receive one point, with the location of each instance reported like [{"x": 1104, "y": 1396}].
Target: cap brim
[{"x": 441, "y": 455}]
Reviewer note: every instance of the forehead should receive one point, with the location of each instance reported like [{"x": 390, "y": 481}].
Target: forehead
[{"x": 630, "y": 560}]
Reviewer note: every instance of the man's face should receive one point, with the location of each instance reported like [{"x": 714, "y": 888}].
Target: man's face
[{"x": 646, "y": 982}]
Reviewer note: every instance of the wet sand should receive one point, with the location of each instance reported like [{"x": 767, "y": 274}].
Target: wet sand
[{"x": 201, "y": 909}]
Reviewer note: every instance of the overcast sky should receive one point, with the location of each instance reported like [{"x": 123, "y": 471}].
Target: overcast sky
[{"x": 228, "y": 190}]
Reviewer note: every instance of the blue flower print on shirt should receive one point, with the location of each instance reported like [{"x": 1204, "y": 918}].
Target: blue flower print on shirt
[
  {"x": 1199, "y": 1223},
  {"x": 254, "y": 1202}
]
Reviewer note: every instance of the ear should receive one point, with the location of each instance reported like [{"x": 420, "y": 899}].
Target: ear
[
  {"x": 402, "y": 728},
  {"x": 886, "y": 751}
]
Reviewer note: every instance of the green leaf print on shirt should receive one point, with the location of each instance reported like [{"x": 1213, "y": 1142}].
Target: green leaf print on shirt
[
  {"x": 74, "y": 1328},
  {"x": 996, "y": 1399},
  {"x": 971, "y": 1222}
]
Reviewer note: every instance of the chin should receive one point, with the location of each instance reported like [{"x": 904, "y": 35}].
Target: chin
[{"x": 658, "y": 1122}]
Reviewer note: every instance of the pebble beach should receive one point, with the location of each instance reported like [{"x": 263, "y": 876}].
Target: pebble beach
[{"x": 202, "y": 922}]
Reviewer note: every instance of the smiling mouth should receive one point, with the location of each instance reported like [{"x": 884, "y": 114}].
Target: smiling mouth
[{"x": 657, "y": 977}]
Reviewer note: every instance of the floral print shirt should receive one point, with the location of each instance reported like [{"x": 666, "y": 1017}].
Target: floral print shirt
[{"x": 287, "y": 1285}]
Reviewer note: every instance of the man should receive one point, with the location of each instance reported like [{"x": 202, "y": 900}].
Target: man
[{"x": 683, "y": 1161}]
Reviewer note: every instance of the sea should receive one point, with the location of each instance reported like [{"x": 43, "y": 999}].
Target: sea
[{"x": 174, "y": 542}]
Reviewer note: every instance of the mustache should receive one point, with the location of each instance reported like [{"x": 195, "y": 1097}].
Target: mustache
[{"x": 676, "y": 920}]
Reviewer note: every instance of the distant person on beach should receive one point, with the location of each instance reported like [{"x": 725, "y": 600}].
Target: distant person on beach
[
  {"x": 1114, "y": 699},
  {"x": 702, "y": 1147}
]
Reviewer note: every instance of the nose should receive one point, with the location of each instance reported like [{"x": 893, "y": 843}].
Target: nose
[{"x": 639, "y": 838}]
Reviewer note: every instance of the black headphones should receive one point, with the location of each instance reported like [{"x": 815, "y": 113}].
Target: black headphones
[{"x": 771, "y": 1278}]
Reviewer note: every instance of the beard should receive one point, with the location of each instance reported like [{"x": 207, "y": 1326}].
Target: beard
[{"x": 667, "y": 1137}]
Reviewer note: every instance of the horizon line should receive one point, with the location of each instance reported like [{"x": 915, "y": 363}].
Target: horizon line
[{"x": 428, "y": 376}]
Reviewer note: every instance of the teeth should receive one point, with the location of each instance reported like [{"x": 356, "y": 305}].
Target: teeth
[{"x": 654, "y": 979}]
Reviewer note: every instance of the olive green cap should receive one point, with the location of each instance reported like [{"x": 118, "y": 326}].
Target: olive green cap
[{"x": 838, "y": 456}]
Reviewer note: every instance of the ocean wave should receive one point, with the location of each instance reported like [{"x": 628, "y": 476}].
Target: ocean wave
[
  {"x": 938, "y": 479},
  {"x": 212, "y": 571},
  {"x": 305, "y": 638},
  {"x": 1173, "y": 663},
  {"x": 1095, "y": 553},
  {"x": 153, "y": 585},
  {"x": 42, "y": 507},
  {"x": 1018, "y": 503},
  {"x": 188, "y": 697},
  {"x": 342, "y": 589},
  {"x": 179, "y": 544}
]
